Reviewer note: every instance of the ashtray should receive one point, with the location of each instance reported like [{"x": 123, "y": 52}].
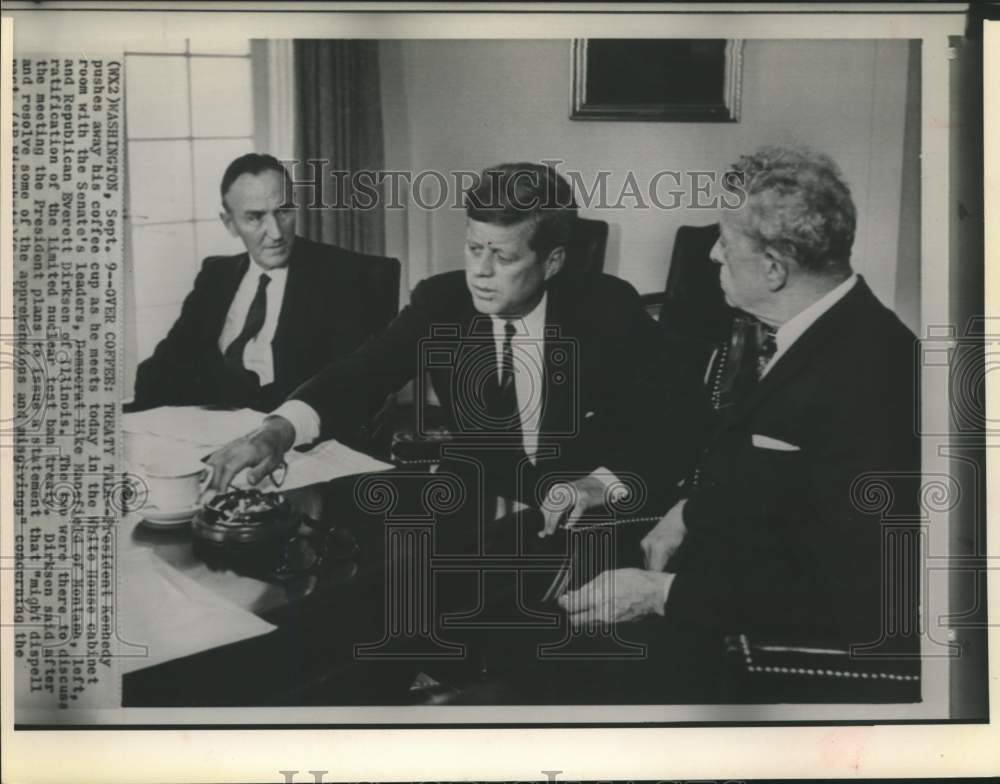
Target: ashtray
[{"x": 245, "y": 517}]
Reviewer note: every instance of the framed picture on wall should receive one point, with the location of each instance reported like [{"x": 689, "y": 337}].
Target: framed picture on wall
[{"x": 657, "y": 79}]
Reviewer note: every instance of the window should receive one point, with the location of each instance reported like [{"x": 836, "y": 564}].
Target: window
[{"x": 189, "y": 112}]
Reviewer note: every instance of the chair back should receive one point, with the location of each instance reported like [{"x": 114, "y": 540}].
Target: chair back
[
  {"x": 693, "y": 303},
  {"x": 692, "y": 274},
  {"x": 586, "y": 248}
]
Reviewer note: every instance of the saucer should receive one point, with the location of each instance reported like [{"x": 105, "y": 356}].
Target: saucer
[{"x": 155, "y": 517}]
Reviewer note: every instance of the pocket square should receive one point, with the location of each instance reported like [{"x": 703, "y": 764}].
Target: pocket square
[{"x": 766, "y": 442}]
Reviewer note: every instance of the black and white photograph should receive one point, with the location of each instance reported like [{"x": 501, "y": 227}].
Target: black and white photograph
[{"x": 481, "y": 370}]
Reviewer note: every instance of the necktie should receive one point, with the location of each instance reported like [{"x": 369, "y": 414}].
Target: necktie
[
  {"x": 254, "y": 321},
  {"x": 765, "y": 345},
  {"x": 501, "y": 462},
  {"x": 737, "y": 366},
  {"x": 503, "y": 408},
  {"x": 507, "y": 358}
]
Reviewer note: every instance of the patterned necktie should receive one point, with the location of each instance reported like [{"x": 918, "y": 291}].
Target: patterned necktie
[
  {"x": 252, "y": 325},
  {"x": 766, "y": 346},
  {"x": 736, "y": 366},
  {"x": 739, "y": 364}
]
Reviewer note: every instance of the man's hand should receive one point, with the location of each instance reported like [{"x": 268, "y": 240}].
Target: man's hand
[
  {"x": 618, "y": 595},
  {"x": 569, "y": 500},
  {"x": 261, "y": 450},
  {"x": 662, "y": 542}
]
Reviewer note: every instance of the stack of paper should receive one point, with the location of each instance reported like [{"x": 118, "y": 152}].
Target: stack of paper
[
  {"x": 326, "y": 461},
  {"x": 185, "y": 617},
  {"x": 193, "y": 424},
  {"x": 186, "y": 432}
]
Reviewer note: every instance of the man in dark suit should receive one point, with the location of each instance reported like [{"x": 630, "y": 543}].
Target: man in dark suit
[
  {"x": 258, "y": 324},
  {"x": 540, "y": 375},
  {"x": 777, "y": 535}
]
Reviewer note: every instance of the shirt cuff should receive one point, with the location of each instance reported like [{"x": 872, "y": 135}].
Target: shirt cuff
[
  {"x": 683, "y": 514},
  {"x": 304, "y": 419}
]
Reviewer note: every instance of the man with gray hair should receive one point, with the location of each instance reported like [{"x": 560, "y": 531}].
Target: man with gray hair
[{"x": 776, "y": 536}]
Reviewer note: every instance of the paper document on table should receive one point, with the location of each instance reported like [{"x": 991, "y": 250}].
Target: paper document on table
[
  {"x": 194, "y": 432},
  {"x": 326, "y": 461},
  {"x": 172, "y": 615},
  {"x": 193, "y": 424}
]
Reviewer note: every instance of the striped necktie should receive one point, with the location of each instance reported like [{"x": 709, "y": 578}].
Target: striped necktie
[{"x": 253, "y": 324}]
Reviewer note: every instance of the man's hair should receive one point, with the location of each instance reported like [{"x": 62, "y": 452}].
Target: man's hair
[
  {"x": 251, "y": 163},
  {"x": 799, "y": 205},
  {"x": 510, "y": 193}
]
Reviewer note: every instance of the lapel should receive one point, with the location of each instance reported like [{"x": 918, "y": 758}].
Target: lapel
[
  {"x": 558, "y": 377},
  {"x": 292, "y": 309},
  {"x": 229, "y": 280},
  {"x": 468, "y": 334},
  {"x": 805, "y": 350},
  {"x": 478, "y": 351}
]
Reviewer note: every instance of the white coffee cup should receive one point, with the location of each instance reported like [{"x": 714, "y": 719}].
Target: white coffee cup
[{"x": 175, "y": 485}]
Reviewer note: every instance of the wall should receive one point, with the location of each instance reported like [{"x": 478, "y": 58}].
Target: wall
[
  {"x": 908, "y": 271},
  {"x": 465, "y": 104}
]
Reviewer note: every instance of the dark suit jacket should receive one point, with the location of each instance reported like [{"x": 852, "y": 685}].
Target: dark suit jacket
[
  {"x": 617, "y": 393},
  {"x": 334, "y": 300},
  {"x": 791, "y": 542}
]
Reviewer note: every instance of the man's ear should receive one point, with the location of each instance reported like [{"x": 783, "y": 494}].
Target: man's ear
[
  {"x": 555, "y": 261},
  {"x": 227, "y": 221},
  {"x": 776, "y": 266}
]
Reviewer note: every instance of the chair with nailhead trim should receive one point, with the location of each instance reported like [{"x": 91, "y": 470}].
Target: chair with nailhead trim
[{"x": 768, "y": 670}]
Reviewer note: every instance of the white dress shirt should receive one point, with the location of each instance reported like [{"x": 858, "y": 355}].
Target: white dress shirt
[
  {"x": 527, "y": 346},
  {"x": 257, "y": 354}
]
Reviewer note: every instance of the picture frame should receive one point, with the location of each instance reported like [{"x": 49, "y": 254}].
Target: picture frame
[{"x": 615, "y": 79}]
